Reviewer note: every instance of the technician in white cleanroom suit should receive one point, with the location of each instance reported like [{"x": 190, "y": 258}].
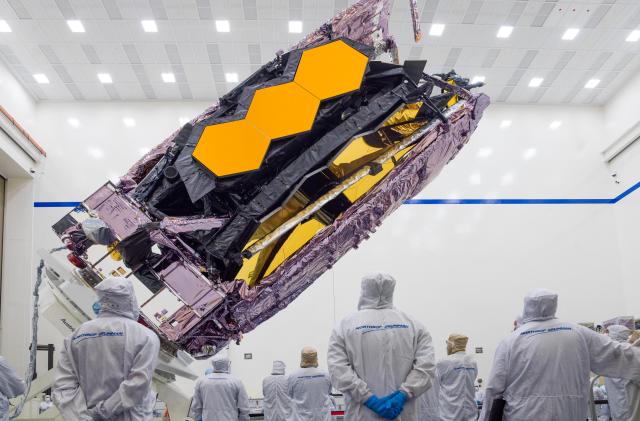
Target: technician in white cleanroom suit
[
  {"x": 274, "y": 389},
  {"x": 219, "y": 396},
  {"x": 378, "y": 351},
  {"x": 429, "y": 404},
  {"x": 635, "y": 340},
  {"x": 308, "y": 389},
  {"x": 105, "y": 367},
  {"x": 456, "y": 376},
  {"x": 542, "y": 369},
  {"x": 623, "y": 394},
  {"x": 10, "y": 386}
]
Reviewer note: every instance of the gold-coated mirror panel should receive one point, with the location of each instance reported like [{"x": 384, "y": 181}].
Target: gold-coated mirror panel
[
  {"x": 332, "y": 69},
  {"x": 231, "y": 148},
  {"x": 283, "y": 110},
  {"x": 298, "y": 238},
  {"x": 356, "y": 191}
]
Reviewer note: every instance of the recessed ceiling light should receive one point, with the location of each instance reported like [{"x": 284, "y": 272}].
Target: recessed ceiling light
[
  {"x": 436, "y": 30},
  {"x": 505, "y": 124},
  {"x": 41, "y": 78},
  {"x": 507, "y": 179},
  {"x": 224, "y": 26},
  {"x": 504, "y": 31},
  {"x": 149, "y": 26},
  {"x": 95, "y": 152},
  {"x": 570, "y": 34},
  {"x": 295, "y": 26},
  {"x": 555, "y": 125},
  {"x": 478, "y": 79},
  {"x": 484, "y": 152},
  {"x": 231, "y": 77},
  {"x": 183, "y": 120},
  {"x": 535, "y": 82},
  {"x": 73, "y": 122},
  {"x": 529, "y": 153},
  {"x": 475, "y": 179},
  {"x": 4, "y": 26},
  {"x": 75, "y": 25},
  {"x": 168, "y": 78},
  {"x": 143, "y": 151},
  {"x": 129, "y": 122},
  {"x": 634, "y": 36},
  {"x": 592, "y": 83},
  {"x": 105, "y": 78}
]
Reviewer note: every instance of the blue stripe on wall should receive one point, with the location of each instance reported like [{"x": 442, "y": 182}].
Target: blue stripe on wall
[
  {"x": 509, "y": 201},
  {"x": 55, "y": 204},
  {"x": 627, "y": 192},
  {"x": 450, "y": 201},
  {"x": 525, "y": 201}
]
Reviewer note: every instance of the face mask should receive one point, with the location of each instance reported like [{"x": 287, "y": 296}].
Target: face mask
[{"x": 96, "y": 307}]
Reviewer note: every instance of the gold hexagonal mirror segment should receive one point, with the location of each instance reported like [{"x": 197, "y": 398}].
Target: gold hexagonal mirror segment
[
  {"x": 332, "y": 69},
  {"x": 283, "y": 110},
  {"x": 231, "y": 148}
]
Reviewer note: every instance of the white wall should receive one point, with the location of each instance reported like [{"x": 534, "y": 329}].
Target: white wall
[
  {"x": 15, "y": 99},
  {"x": 102, "y": 147},
  {"x": 628, "y": 229},
  {"x": 460, "y": 268},
  {"x": 621, "y": 114}
]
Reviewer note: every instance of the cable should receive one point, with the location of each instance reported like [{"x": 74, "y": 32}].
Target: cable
[{"x": 34, "y": 337}]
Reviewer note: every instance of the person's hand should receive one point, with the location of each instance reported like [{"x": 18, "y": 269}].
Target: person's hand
[
  {"x": 393, "y": 405},
  {"x": 388, "y": 407},
  {"x": 96, "y": 307},
  {"x": 381, "y": 407},
  {"x": 375, "y": 404}
]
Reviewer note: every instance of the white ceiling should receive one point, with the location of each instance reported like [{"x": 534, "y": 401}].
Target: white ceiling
[{"x": 188, "y": 45}]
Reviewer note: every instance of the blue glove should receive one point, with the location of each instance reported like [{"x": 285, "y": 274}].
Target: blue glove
[
  {"x": 393, "y": 405},
  {"x": 389, "y": 407},
  {"x": 97, "y": 307},
  {"x": 399, "y": 398},
  {"x": 375, "y": 404}
]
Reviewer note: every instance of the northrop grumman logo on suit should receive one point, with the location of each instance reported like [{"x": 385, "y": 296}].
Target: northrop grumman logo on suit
[
  {"x": 93, "y": 335},
  {"x": 376, "y": 328},
  {"x": 541, "y": 331}
]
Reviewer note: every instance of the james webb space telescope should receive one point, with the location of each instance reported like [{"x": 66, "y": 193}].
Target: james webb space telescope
[{"x": 226, "y": 222}]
